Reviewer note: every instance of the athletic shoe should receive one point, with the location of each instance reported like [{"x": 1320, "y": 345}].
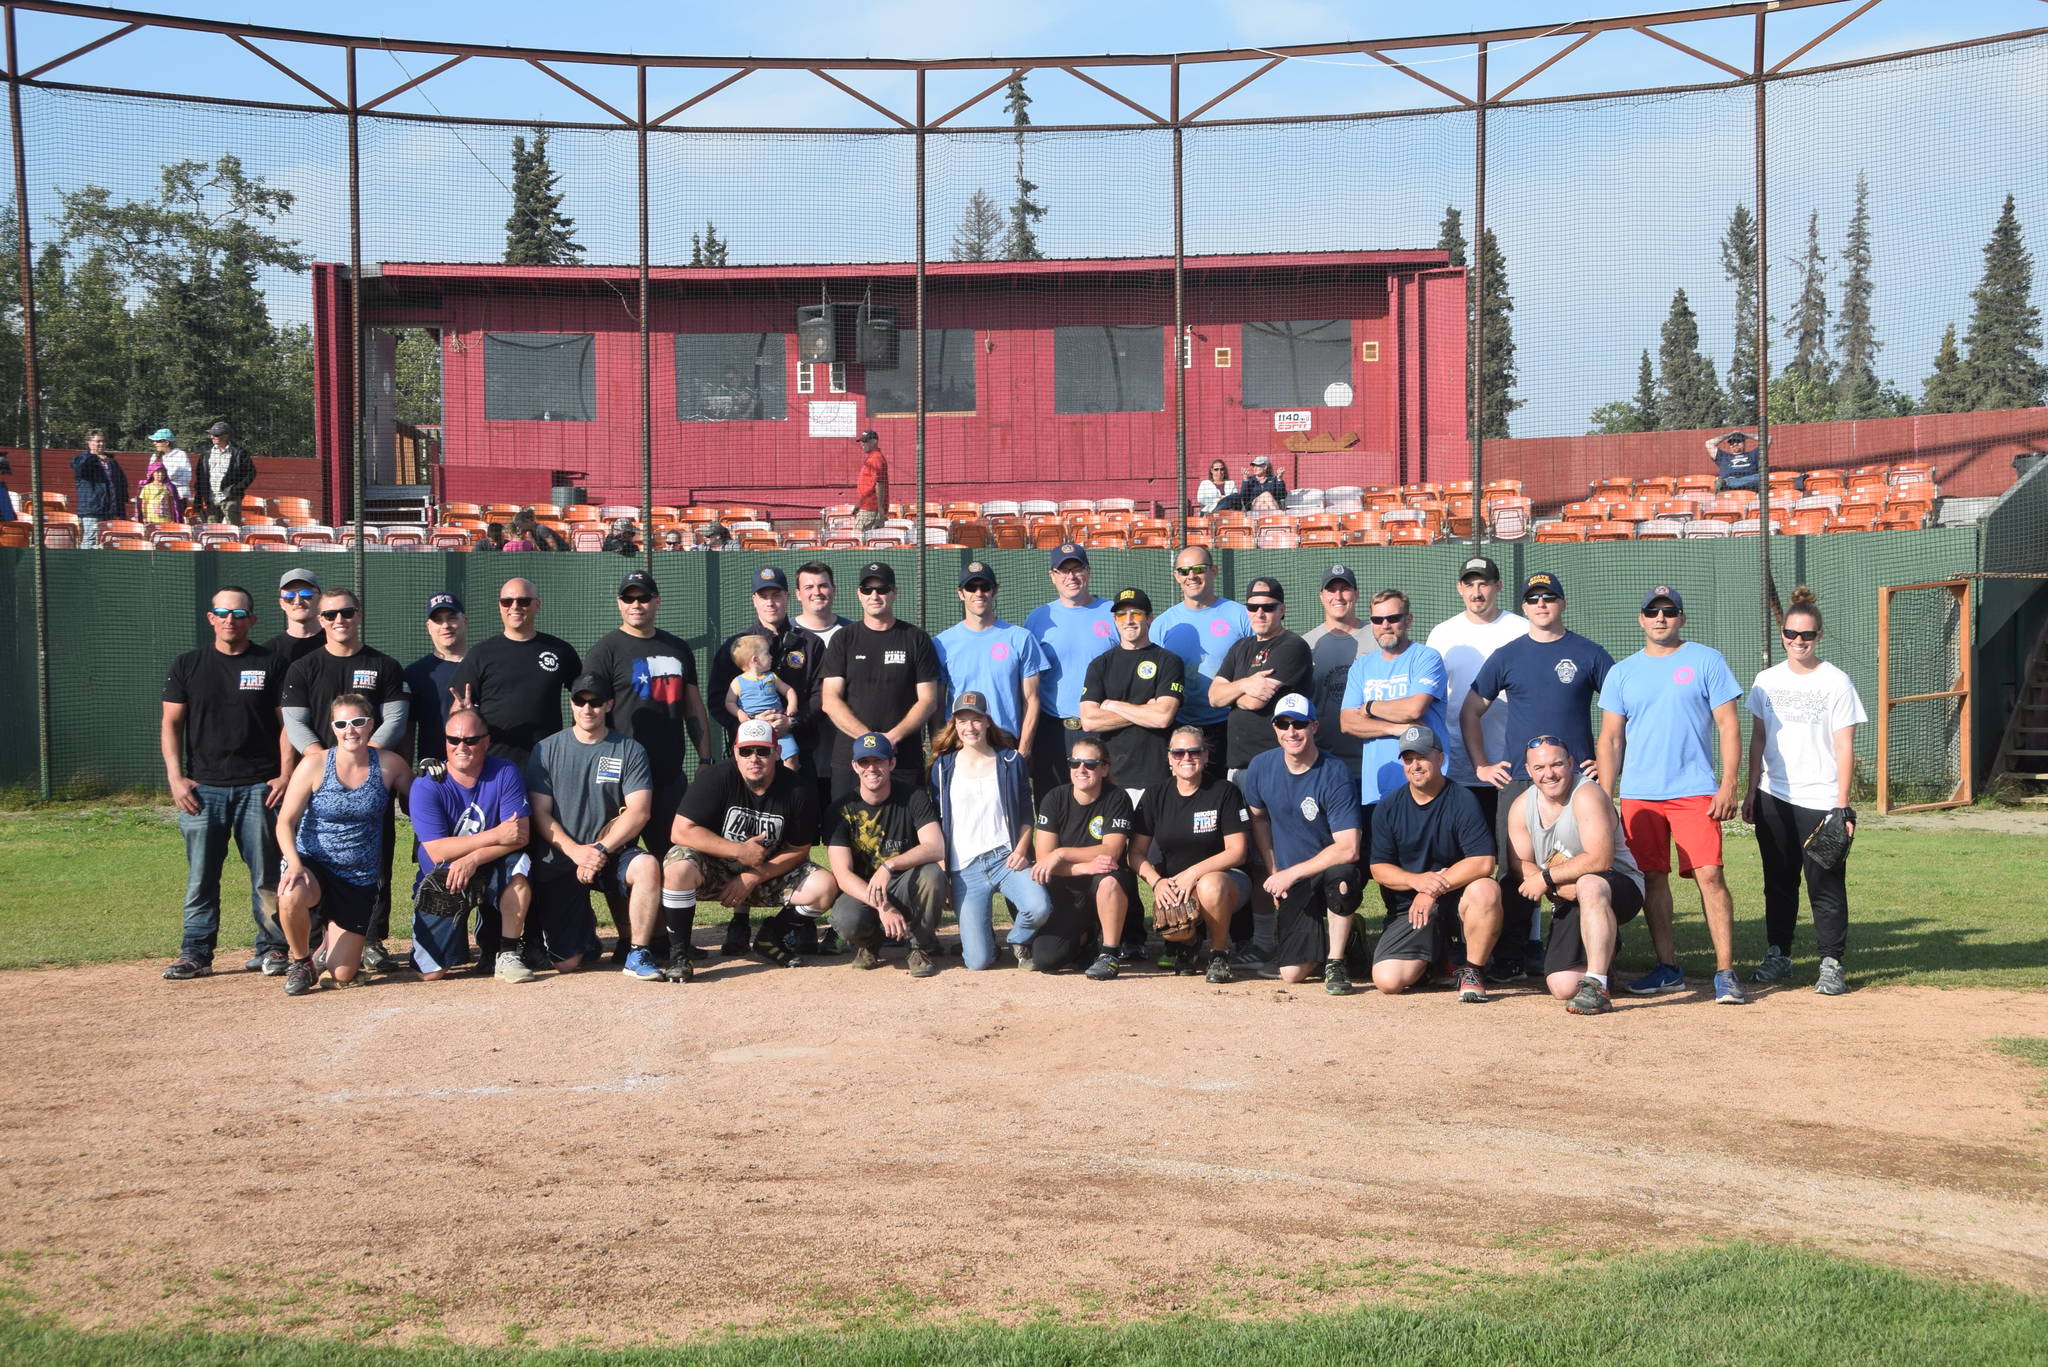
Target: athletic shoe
[
  {"x": 274, "y": 963},
  {"x": 829, "y": 943},
  {"x": 1249, "y": 957},
  {"x": 1169, "y": 954},
  {"x": 1444, "y": 974},
  {"x": 254, "y": 964},
  {"x": 300, "y": 977},
  {"x": 920, "y": 964},
  {"x": 680, "y": 969},
  {"x": 775, "y": 952},
  {"x": 1775, "y": 968},
  {"x": 185, "y": 966},
  {"x": 738, "y": 932},
  {"x": 1219, "y": 969},
  {"x": 1130, "y": 955},
  {"x": 640, "y": 964},
  {"x": 511, "y": 968},
  {"x": 1506, "y": 968},
  {"x": 533, "y": 955},
  {"x": 1471, "y": 988},
  {"x": 1104, "y": 968},
  {"x": 1336, "y": 978},
  {"x": 376, "y": 958},
  {"x": 1728, "y": 989},
  {"x": 1662, "y": 978},
  {"x": 1590, "y": 1000},
  {"x": 865, "y": 958},
  {"x": 1831, "y": 983},
  {"x": 1187, "y": 963},
  {"x": 1023, "y": 953}
]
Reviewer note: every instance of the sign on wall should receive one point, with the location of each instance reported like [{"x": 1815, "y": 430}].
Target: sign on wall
[
  {"x": 1291, "y": 420},
  {"x": 834, "y": 419}
]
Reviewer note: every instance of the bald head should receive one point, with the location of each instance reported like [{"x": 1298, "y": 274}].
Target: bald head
[{"x": 518, "y": 606}]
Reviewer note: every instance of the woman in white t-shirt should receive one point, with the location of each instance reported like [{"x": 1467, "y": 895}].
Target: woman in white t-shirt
[
  {"x": 1802, "y": 761},
  {"x": 982, "y": 787},
  {"x": 1213, "y": 490}
]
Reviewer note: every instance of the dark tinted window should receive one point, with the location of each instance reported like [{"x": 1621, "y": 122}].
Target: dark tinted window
[
  {"x": 948, "y": 375},
  {"x": 731, "y": 376},
  {"x": 1113, "y": 369},
  {"x": 551, "y": 376},
  {"x": 1289, "y": 365}
]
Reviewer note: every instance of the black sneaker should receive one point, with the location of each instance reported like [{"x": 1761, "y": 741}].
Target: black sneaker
[
  {"x": 376, "y": 958},
  {"x": 829, "y": 943},
  {"x": 1219, "y": 969},
  {"x": 274, "y": 963},
  {"x": 739, "y": 932},
  {"x": 300, "y": 978},
  {"x": 1104, "y": 968},
  {"x": 679, "y": 969},
  {"x": 1023, "y": 953},
  {"x": 185, "y": 966},
  {"x": 1187, "y": 961},
  {"x": 776, "y": 952},
  {"x": 1506, "y": 968}
]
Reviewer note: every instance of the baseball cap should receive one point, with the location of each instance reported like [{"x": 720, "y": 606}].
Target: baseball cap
[
  {"x": 754, "y": 733},
  {"x": 874, "y": 745},
  {"x": 1662, "y": 591},
  {"x": 1260, "y": 460},
  {"x": 624, "y": 524},
  {"x": 1065, "y": 551},
  {"x": 1420, "y": 740},
  {"x": 639, "y": 579},
  {"x": 220, "y": 429},
  {"x": 1269, "y": 587},
  {"x": 1296, "y": 706},
  {"x": 869, "y": 435},
  {"x": 599, "y": 685},
  {"x": 1131, "y": 600},
  {"x": 298, "y": 574},
  {"x": 770, "y": 577},
  {"x": 162, "y": 434},
  {"x": 1737, "y": 435},
  {"x": 877, "y": 569},
  {"x": 442, "y": 601},
  {"x": 1543, "y": 581},
  {"x": 1339, "y": 574},
  {"x": 970, "y": 701},
  {"x": 1479, "y": 565},
  {"x": 977, "y": 570}
]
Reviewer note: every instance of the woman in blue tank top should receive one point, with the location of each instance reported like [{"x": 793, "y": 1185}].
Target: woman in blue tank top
[{"x": 330, "y": 827}]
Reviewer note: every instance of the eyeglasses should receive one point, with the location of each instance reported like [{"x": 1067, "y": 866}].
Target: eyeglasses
[
  {"x": 1084, "y": 764},
  {"x": 298, "y": 595},
  {"x": 349, "y": 723},
  {"x": 1185, "y": 570},
  {"x": 1788, "y": 633},
  {"x": 1262, "y": 607},
  {"x": 1537, "y": 742},
  {"x": 1542, "y": 598},
  {"x": 1668, "y": 614},
  {"x": 1195, "y": 753},
  {"x": 754, "y": 751},
  {"x": 337, "y": 614},
  {"x": 1290, "y": 724},
  {"x": 1394, "y": 620},
  {"x": 480, "y": 738},
  {"x": 521, "y": 601},
  {"x": 876, "y": 590},
  {"x": 237, "y": 614}
]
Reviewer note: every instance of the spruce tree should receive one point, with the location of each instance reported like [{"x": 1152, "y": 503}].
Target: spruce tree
[
  {"x": 1688, "y": 395},
  {"x": 981, "y": 229},
  {"x": 2003, "y": 367},
  {"x": 1944, "y": 390},
  {"x": 1858, "y": 393},
  {"x": 1020, "y": 243},
  {"x": 1738, "y": 263},
  {"x": 1807, "y": 329},
  {"x": 538, "y": 233},
  {"x": 1497, "y": 348},
  {"x": 1450, "y": 238},
  {"x": 1631, "y": 415}
]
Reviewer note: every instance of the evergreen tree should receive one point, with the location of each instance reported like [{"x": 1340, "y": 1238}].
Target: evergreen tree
[
  {"x": 417, "y": 363},
  {"x": 1858, "y": 393},
  {"x": 538, "y": 233},
  {"x": 1807, "y": 329},
  {"x": 1626, "y": 415},
  {"x": 13, "y": 396},
  {"x": 1944, "y": 390},
  {"x": 1020, "y": 243},
  {"x": 1688, "y": 395},
  {"x": 981, "y": 229},
  {"x": 82, "y": 349},
  {"x": 1450, "y": 238},
  {"x": 708, "y": 248},
  {"x": 1497, "y": 350},
  {"x": 1738, "y": 263},
  {"x": 2003, "y": 368}
]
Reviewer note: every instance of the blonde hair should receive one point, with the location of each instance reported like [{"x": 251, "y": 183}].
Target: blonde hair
[{"x": 748, "y": 646}]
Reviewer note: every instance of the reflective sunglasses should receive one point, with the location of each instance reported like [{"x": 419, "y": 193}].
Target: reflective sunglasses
[
  {"x": 521, "y": 601},
  {"x": 1788, "y": 633},
  {"x": 1262, "y": 607},
  {"x": 1536, "y": 742},
  {"x": 1185, "y": 570},
  {"x": 1290, "y": 724},
  {"x": 754, "y": 751},
  {"x": 1668, "y": 614},
  {"x": 1394, "y": 620},
  {"x": 480, "y": 738},
  {"x": 349, "y": 723},
  {"x": 876, "y": 590},
  {"x": 237, "y": 614},
  {"x": 298, "y": 595},
  {"x": 1195, "y": 753},
  {"x": 337, "y": 614},
  {"x": 1543, "y": 598},
  {"x": 1084, "y": 763}
]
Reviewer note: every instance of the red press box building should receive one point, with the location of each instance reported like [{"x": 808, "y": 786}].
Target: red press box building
[{"x": 1044, "y": 378}]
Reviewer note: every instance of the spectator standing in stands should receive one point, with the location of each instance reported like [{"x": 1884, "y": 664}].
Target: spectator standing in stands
[
  {"x": 882, "y": 676},
  {"x": 1261, "y": 669},
  {"x": 1217, "y": 487},
  {"x": 1466, "y": 642},
  {"x": 1334, "y": 646},
  {"x": 1072, "y": 630},
  {"x": 986, "y": 656},
  {"x": 227, "y": 765},
  {"x": 871, "y": 485},
  {"x": 101, "y": 490},
  {"x": 220, "y": 476},
  {"x": 517, "y": 678},
  {"x": 175, "y": 461},
  {"x": 1735, "y": 461},
  {"x": 297, "y": 593},
  {"x": 156, "y": 498},
  {"x": 430, "y": 680},
  {"x": 1201, "y": 628}
]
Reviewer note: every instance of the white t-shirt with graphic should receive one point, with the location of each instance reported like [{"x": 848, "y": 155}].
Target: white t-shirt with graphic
[{"x": 1800, "y": 714}]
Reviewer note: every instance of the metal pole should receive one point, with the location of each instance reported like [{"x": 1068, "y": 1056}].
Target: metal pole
[
  {"x": 1183, "y": 345},
  {"x": 357, "y": 435},
  {"x": 32, "y": 400},
  {"x": 920, "y": 348},
  {"x": 646, "y": 373},
  {"x": 1768, "y": 593},
  {"x": 1476, "y": 324}
]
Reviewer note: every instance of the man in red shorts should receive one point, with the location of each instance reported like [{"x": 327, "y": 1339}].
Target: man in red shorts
[{"x": 1657, "y": 709}]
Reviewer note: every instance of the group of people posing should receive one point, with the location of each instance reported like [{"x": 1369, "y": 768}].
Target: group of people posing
[{"x": 1254, "y": 780}]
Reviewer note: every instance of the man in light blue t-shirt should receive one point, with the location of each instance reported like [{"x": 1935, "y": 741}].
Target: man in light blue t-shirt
[
  {"x": 997, "y": 659},
  {"x": 1201, "y": 628},
  {"x": 1658, "y": 708},
  {"x": 1387, "y": 691},
  {"x": 1072, "y": 630}
]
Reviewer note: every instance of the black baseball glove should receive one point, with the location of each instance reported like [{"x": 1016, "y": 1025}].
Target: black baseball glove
[
  {"x": 435, "y": 899},
  {"x": 1828, "y": 846}
]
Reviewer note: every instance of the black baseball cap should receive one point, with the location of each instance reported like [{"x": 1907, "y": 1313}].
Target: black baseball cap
[
  {"x": 868, "y": 435},
  {"x": 977, "y": 569},
  {"x": 443, "y": 602},
  {"x": 1339, "y": 574},
  {"x": 1065, "y": 551},
  {"x": 1131, "y": 600},
  {"x": 1543, "y": 581},
  {"x": 875, "y": 569},
  {"x": 1269, "y": 587},
  {"x": 639, "y": 579},
  {"x": 597, "y": 685},
  {"x": 1480, "y": 566},
  {"x": 770, "y": 577}
]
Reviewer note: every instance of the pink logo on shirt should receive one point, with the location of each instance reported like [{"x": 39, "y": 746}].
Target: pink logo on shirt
[
  {"x": 1682, "y": 674},
  {"x": 1219, "y": 627},
  {"x": 1102, "y": 628},
  {"x": 999, "y": 651}
]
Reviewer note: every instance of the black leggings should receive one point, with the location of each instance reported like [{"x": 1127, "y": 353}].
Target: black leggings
[{"x": 1781, "y": 831}]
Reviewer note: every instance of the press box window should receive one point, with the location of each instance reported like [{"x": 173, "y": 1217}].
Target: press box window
[
  {"x": 731, "y": 376},
  {"x": 1291, "y": 365},
  {"x": 948, "y": 375},
  {"x": 540, "y": 376},
  {"x": 1115, "y": 369}
]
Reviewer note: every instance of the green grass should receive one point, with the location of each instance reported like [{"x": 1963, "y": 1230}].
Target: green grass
[
  {"x": 1742, "y": 1303},
  {"x": 2028, "y": 1048},
  {"x": 93, "y": 882}
]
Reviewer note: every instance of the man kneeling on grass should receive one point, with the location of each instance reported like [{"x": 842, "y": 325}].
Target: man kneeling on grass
[
  {"x": 1567, "y": 842},
  {"x": 470, "y": 814},
  {"x": 1432, "y": 855},
  {"x": 886, "y": 844}
]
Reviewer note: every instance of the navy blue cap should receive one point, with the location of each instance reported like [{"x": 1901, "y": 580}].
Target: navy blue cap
[
  {"x": 1662, "y": 591},
  {"x": 770, "y": 577},
  {"x": 874, "y": 745},
  {"x": 977, "y": 569},
  {"x": 1065, "y": 551},
  {"x": 443, "y": 600},
  {"x": 1543, "y": 581}
]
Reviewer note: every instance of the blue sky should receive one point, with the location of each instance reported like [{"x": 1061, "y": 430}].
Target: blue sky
[{"x": 1603, "y": 209}]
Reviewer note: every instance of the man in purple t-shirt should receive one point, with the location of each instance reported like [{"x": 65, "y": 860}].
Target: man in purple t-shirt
[{"x": 470, "y": 815}]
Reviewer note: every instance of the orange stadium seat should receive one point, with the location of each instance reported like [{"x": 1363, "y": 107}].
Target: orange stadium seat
[
  {"x": 1654, "y": 487},
  {"x": 1694, "y": 484},
  {"x": 1562, "y": 531},
  {"x": 1586, "y": 512}
]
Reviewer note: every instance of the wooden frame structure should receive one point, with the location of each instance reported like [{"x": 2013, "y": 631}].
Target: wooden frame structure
[{"x": 1966, "y": 788}]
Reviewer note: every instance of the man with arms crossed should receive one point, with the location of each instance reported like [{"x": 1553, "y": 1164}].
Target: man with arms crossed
[
  {"x": 984, "y": 654},
  {"x": 1305, "y": 827},
  {"x": 1656, "y": 710},
  {"x": 1567, "y": 842},
  {"x": 1201, "y": 628},
  {"x": 1466, "y": 642},
  {"x": 470, "y": 816},
  {"x": 881, "y": 676},
  {"x": 1259, "y": 670},
  {"x": 1072, "y": 630},
  {"x": 516, "y": 678},
  {"x": 1333, "y": 646},
  {"x": 886, "y": 844},
  {"x": 1432, "y": 855}
]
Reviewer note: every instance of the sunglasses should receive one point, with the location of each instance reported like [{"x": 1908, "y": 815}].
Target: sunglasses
[
  {"x": 1195, "y": 753},
  {"x": 1668, "y": 614},
  {"x": 1394, "y": 620},
  {"x": 350, "y": 723},
  {"x": 1290, "y": 724},
  {"x": 298, "y": 595},
  {"x": 1084, "y": 764},
  {"x": 876, "y": 590},
  {"x": 754, "y": 751},
  {"x": 1262, "y": 607},
  {"x": 337, "y": 614},
  {"x": 519, "y": 602},
  {"x": 1788, "y": 633},
  {"x": 237, "y": 614},
  {"x": 1542, "y": 598},
  {"x": 977, "y": 587},
  {"x": 1185, "y": 570},
  {"x": 635, "y": 598},
  {"x": 1535, "y": 742},
  {"x": 480, "y": 738},
  {"x": 586, "y": 702}
]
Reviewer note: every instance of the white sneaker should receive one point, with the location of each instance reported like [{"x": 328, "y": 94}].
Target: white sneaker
[{"x": 512, "y": 968}]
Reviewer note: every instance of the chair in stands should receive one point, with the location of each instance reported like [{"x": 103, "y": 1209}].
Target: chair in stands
[
  {"x": 1611, "y": 487},
  {"x": 586, "y": 538},
  {"x": 1680, "y": 509},
  {"x": 760, "y": 541},
  {"x": 212, "y": 533},
  {"x": 1906, "y": 514},
  {"x": 229, "y": 546},
  {"x": 842, "y": 543},
  {"x": 1818, "y": 503},
  {"x": 405, "y": 538},
  {"x": 580, "y": 512},
  {"x": 1304, "y": 500},
  {"x": 1547, "y": 532},
  {"x": 738, "y": 514},
  {"x": 970, "y": 533},
  {"x": 1707, "y": 528},
  {"x": 1363, "y": 536},
  {"x": 500, "y": 512},
  {"x": 1152, "y": 540},
  {"x": 125, "y": 543},
  {"x": 1110, "y": 542},
  {"x": 1408, "y": 534},
  {"x": 1721, "y": 508},
  {"x": 1586, "y": 511},
  {"x": 1806, "y": 524},
  {"x": 1343, "y": 498},
  {"x": 1116, "y": 505},
  {"x": 121, "y": 526},
  {"x": 1651, "y": 488},
  {"x": 451, "y": 511},
  {"x": 312, "y": 535},
  {"x": 1611, "y": 531},
  {"x": 1038, "y": 507},
  {"x": 1784, "y": 485},
  {"x": 1699, "y": 486},
  {"x": 1635, "y": 510},
  {"x": 1827, "y": 482},
  {"x": 611, "y": 512},
  {"x": 451, "y": 539},
  {"x": 1660, "y": 529},
  {"x": 1001, "y": 507},
  {"x": 888, "y": 536},
  {"x": 1381, "y": 499},
  {"x": 1321, "y": 538},
  {"x": 1010, "y": 536},
  {"x": 57, "y": 501},
  {"x": 170, "y": 531},
  {"x": 276, "y": 536},
  {"x": 1509, "y": 516},
  {"x": 1277, "y": 539},
  {"x": 1917, "y": 476},
  {"x": 1233, "y": 538},
  {"x": 1458, "y": 515},
  {"x": 253, "y": 504},
  {"x": 176, "y": 544},
  {"x": 1047, "y": 535}
]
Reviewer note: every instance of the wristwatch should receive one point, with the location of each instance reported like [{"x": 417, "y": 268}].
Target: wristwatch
[
  {"x": 1548, "y": 881},
  {"x": 599, "y": 846}
]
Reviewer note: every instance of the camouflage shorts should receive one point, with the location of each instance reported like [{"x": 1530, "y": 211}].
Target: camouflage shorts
[{"x": 717, "y": 873}]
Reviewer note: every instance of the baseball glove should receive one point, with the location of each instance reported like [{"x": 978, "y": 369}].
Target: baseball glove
[
  {"x": 1177, "y": 917},
  {"x": 1828, "y": 846},
  {"x": 433, "y": 898}
]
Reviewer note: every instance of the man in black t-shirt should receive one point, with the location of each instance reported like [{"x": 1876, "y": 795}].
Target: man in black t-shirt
[
  {"x": 518, "y": 679},
  {"x": 428, "y": 678},
  {"x": 743, "y": 834},
  {"x": 654, "y": 677},
  {"x": 881, "y": 677},
  {"x": 1258, "y": 670},
  {"x": 297, "y": 593},
  {"x": 1131, "y": 695},
  {"x": 1432, "y": 854},
  {"x": 886, "y": 844},
  {"x": 794, "y": 656},
  {"x": 227, "y": 763}
]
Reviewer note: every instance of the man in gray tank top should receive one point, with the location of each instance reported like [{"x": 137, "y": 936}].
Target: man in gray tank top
[{"x": 1567, "y": 844}]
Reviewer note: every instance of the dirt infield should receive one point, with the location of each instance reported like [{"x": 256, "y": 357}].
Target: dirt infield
[{"x": 593, "y": 1157}]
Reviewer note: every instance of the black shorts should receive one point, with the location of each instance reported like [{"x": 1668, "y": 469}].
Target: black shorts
[
  {"x": 343, "y": 903},
  {"x": 563, "y": 919},
  {"x": 1401, "y": 940},
  {"x": 1300, "y": 929},
  {"x": 1565, "y": 951},
  {"x": 1075, "y": 893}
]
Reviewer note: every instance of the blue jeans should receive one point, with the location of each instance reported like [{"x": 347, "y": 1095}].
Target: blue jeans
[
  {"x": 974, "y": 890},
  {"x": 223, "y": 812}
]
